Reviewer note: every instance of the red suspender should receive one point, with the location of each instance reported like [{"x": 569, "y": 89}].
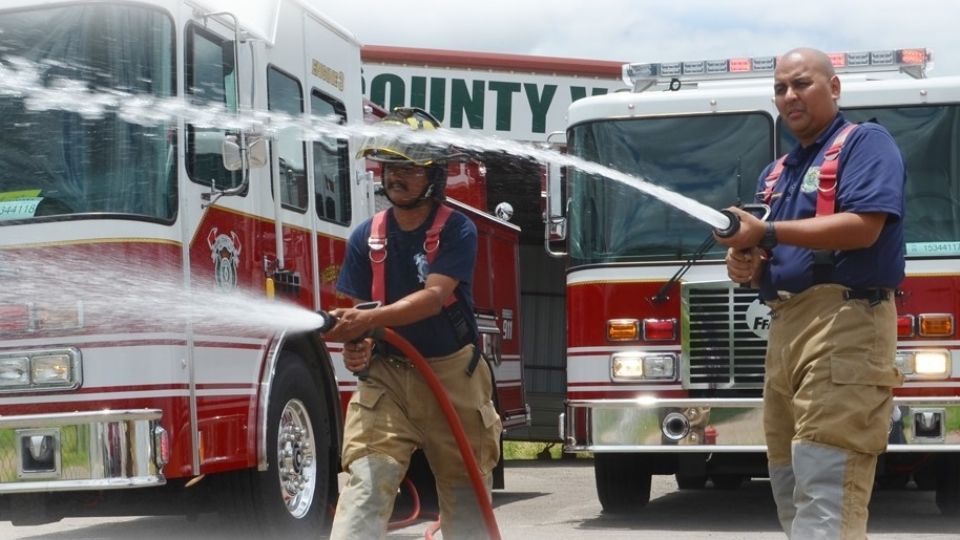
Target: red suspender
[
  {"x": 827, "y": 189},
  {"x": 378, "y": 250},
  {"x": 378, "y": 256},
  {"x": 431, "y": 244},
  {"x": 771, "y": 180}
]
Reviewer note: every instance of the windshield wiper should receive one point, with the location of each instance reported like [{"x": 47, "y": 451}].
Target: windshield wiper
[{"x": 705, "y": 246}]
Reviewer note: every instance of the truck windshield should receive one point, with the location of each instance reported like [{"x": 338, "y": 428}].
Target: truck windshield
[
  {"x": 56, "y": 164},
  {"x": 929, "y": 138},
  {"x": 714, "y": 159}
]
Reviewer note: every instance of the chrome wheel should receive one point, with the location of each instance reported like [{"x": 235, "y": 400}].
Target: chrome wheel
[{"x": 296, "y": 458}]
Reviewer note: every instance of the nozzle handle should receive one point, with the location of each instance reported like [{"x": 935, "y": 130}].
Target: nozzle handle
[{"x": 364, "y": 373}]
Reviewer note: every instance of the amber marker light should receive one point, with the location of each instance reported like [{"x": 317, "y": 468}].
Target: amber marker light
[
  {"x": 936, "y": 325},
  {"x": 623, "y": 330}
]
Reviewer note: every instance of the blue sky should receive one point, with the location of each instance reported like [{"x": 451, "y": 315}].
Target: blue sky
[{"x": 648, "y": 30}]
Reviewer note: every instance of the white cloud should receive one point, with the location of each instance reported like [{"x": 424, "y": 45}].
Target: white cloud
[{"x": 648, "y": 30}]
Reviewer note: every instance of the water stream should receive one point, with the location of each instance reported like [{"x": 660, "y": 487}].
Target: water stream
[{"x": 120, "y": 290}]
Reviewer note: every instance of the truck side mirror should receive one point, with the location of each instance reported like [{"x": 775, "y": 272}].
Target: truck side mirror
[
  {"x": 554, "y": 200},
  {"x": 256, "y": 152}
]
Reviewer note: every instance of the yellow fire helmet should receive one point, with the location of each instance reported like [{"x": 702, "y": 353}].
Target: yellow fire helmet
[{"x": 401, "y": 147}]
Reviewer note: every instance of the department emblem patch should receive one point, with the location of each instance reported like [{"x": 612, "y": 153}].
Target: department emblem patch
[
  {"x": 811, "y": 180},
  {"x": 225, "y": 252}
]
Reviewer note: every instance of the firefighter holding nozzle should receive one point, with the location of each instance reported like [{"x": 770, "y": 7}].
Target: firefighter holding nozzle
[
  {"x": 827, "y": 262},
  {"x": 416, "y": 259}
]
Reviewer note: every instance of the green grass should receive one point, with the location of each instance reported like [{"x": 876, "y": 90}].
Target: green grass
[{"x": 520, "y": 450}]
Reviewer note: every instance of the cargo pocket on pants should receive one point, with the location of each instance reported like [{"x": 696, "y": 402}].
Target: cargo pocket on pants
[
  {"x": 490, "y": 445},
  {"x": 864, "y": 370},
  {"x": 362, "y": 423},
  {"x": 860, "y": 403}
]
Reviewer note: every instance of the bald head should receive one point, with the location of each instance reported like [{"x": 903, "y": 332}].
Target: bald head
[
  {"x": 816, "y": 59},
  {"x": 806, "y": 89}
]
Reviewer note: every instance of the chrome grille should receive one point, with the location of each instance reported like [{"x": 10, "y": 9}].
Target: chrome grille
[{"x": 719, "y": 349}]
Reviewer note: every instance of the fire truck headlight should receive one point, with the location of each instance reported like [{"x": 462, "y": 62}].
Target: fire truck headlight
[
  {"x": 924, "y": 363},
  {"x": 932, "y": 364},
  {"x": 52, "y": 370},
  {"x": 661, "y": 366},
  {"x": 41, "y": 369},
  {"x": 14, "y": 371},
  {"x": 637, "y": 366}
]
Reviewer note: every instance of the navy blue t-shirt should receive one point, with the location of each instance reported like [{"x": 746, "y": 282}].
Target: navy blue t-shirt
[
  {"x": 871, "y": 178},
  {"x": 406, "y": 272}
]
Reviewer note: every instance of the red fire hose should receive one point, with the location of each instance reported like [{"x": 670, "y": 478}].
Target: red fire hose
[{"x": 456, "y": 427}]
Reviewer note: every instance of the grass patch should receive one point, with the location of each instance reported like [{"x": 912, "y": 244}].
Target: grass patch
[{"x": 520, "y": 450}]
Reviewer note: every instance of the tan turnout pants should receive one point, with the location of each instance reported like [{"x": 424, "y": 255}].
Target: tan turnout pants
[
  {"x": 827, "y": 405},
  {"x": 392, "y": 414}
]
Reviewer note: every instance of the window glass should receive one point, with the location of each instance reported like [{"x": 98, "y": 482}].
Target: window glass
[
  {"x": 211, "y": 82},
  {"x": 713, "y": 159},
  {"x": 56, "y": 164},
  {"x": 331, "y": 171},
  {"x": 285, "y": 95}
]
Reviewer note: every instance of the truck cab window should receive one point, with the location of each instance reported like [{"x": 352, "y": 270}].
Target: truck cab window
[
  {"x": 284, "y": 94},
  {"x": 56, "y": 163},
  {"x": 331, "y": 170},
  {"x": 714, "y": 159},
  {"x": 210, "y": 82}
]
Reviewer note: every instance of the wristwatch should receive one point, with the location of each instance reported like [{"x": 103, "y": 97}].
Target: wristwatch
[{"x": 769, "y": 240}]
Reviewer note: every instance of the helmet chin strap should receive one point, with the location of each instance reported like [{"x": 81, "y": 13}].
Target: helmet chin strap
[{"x": 424, "y": 196}]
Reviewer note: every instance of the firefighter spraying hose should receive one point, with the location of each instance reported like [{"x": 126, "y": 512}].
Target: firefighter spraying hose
[
  {"x": 410, "y": 268},
  {"x": 449, "y": 413}
]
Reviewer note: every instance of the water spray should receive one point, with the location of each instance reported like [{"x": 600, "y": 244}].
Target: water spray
[{"x": 20, "y": 77}]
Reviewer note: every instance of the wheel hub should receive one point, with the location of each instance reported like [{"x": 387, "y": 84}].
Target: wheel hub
[{"x": 296, "y": 460}]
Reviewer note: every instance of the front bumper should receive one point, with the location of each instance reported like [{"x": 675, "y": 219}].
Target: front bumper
[
  {"x": 80, "y": 451},
  {"x": 919, "y": 424}
]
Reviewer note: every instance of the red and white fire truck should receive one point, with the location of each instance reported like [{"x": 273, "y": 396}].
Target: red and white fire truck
[
  {"x": 92, "y": 406},
  {"x": 664, "y": 353}
]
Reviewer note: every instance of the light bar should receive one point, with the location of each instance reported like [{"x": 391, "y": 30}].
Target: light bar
[{"x": 644, "y": 75}]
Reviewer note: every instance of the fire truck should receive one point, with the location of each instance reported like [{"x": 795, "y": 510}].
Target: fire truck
[
  {"x": 117, "y": 178},
  {"x": 665, "y": 355}
]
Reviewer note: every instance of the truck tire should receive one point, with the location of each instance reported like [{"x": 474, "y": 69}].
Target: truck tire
[
  {"x": 289, "y": 499},
  {"x": 691, "y": 482},
  {"x": 948, "y": 484},
  {"x": 623, "y": 482}
]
